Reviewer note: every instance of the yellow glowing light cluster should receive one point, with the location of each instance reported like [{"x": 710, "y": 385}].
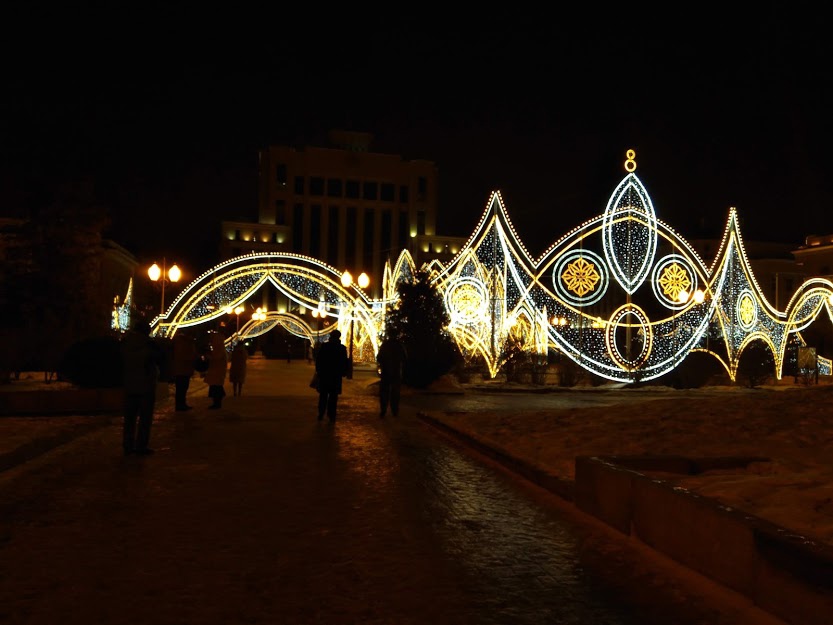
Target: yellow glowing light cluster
[
  {"x": 587, "y": 296},
  {"x": 674, "y": 281},
  {"x": 581, "y": 276}
]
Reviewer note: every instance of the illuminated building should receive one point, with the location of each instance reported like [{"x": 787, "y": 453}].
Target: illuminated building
[{"x": 344, "y": 204}]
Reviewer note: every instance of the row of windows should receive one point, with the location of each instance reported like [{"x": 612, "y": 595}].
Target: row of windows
[
  {"x": 281, "y": 214},
  {"x": 351, "y": 189},
  {"x": 354, "y": 257}
]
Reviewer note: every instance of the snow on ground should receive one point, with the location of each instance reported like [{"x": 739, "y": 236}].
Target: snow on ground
[{"x": 791, "y": 426}]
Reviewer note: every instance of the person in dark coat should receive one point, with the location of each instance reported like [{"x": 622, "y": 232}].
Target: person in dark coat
[
  {"x": 185, "y": 355},
  {"x": 215, "y": 375},
  {"x": 391, "y": 360},
  {"x": 142, "y": 360},
  {"x": 237, "y": 370},
  {"x": 331, "y": 366}
]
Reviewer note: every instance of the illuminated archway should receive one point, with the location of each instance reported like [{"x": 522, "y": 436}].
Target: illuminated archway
[
  {"x": 307, "y": 282},
  {"x": 623, "y": 294}
]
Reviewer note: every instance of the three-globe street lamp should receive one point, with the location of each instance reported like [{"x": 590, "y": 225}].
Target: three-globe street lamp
[
  {"x": 346, "y": 282},
  {"x": 164, "y": 275}
]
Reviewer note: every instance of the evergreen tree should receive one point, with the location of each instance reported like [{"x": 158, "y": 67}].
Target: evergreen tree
[{"x": 419, "y": 319}]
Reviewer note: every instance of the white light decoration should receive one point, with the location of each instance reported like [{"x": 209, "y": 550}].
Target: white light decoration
[
  {"x": 629, "y": 233},
  {"x": 601, "y": 295},
  {"x": 121, "y": 315}
]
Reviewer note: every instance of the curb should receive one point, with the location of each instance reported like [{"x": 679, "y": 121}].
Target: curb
[
  {"x": 788, "y": 576},
  {"x": 559, "y": 486}
]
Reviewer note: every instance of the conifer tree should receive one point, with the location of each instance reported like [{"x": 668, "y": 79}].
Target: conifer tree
[{"x": 419, "y": 319}]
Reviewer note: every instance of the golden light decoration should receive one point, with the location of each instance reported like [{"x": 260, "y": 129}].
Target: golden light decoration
[
  {"x": 493, "y": 289},
  {"x": 674, "y": 280},
  {"x": 630, "y": 161},
  {"x": 746, "y": 310},
  {"x": 580, "y": 277}
]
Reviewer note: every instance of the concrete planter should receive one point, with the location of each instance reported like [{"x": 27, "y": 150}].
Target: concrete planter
[{"x": 787, "y": 575}]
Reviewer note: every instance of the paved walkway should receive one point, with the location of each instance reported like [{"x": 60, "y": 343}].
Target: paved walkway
[{"x": 257, "y": 513}]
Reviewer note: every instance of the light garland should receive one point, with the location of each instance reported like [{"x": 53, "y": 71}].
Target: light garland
[{"x": 622, "y": 294}]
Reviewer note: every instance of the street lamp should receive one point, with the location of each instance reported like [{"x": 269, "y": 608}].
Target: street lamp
[
  {"x": 237, "y": 311},
  {"x": 318, "y": 314},
  {"x": 347, "y": 281},
  {"x": 165, "y": 275}
]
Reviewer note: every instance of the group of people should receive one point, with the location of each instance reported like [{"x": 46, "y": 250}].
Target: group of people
[
  {"x": 332, "y": 364},
  {"x": 143, "y": 360}
]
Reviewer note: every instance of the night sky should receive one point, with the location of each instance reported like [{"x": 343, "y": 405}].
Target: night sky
[{"x": 166, "y": 119}]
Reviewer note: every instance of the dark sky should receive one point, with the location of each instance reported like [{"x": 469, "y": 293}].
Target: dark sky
[{"x": 167, "y": 116}]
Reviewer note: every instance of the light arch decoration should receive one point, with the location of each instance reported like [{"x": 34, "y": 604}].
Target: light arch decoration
[
  {"x": 306, "y": 282},
  {"x": 623, "y": 294}
]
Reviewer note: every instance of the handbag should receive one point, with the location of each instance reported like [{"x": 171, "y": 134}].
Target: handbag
[
  {"x": 201, "y": 364},
  {"x": 313, "y": 383}
]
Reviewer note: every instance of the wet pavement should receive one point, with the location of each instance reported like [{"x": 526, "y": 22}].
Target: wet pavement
[{"x": 257, "y": 513}]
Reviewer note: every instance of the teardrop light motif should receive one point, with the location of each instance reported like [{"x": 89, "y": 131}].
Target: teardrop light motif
[{"x": 629, "y": 233}]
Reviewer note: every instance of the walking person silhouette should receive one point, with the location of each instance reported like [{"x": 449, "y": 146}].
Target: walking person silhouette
[
  {"x": 331, "y": 366},
  {"x": 185, "y": 353},
  {"x": 391, "y": 361}
]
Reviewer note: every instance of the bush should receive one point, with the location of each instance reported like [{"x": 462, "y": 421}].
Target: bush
[
  {"x": 756, "y": 365},
  {"x": 698, "y": 370},
  {"x": 426, "y": 363},
  {"x": 93, "y": 363},
  {"x": 569, "y": 373}
]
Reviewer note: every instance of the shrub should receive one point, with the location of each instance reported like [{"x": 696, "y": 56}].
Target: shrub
[
  {"x": 756, "y": 365},
  {"x": 93, "y": 363}
]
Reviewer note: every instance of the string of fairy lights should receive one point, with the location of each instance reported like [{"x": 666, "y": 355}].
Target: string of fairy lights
[{"x": 623, "y": 295}]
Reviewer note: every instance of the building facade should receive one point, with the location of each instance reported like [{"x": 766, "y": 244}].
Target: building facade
[
  {"x": 815, "y": 257},
  {"x": 343, "y": 204}
]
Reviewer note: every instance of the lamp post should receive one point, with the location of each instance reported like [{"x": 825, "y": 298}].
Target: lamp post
[
  {"x": 165, "y": 275},
  {"x": 237, "y": 311},
  {"x": 318, "y": 314},
  {"x": 346, "y": 282}
]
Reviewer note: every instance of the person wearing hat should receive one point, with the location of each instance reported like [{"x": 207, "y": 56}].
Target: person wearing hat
[{"x": 330, "y": 365}]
